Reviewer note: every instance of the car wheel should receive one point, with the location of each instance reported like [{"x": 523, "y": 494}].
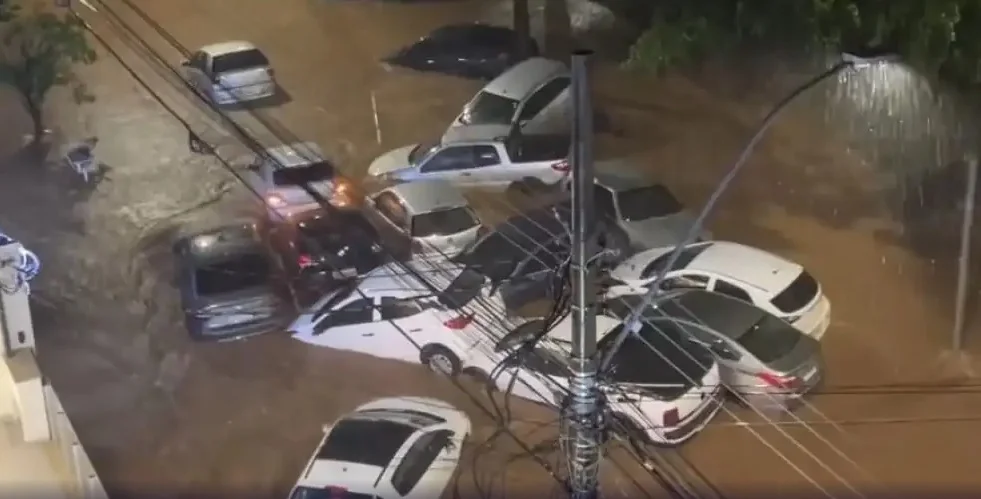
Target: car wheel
[{"x": 440, "y": 360}]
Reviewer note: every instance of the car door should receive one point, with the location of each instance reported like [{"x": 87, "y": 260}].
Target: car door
[
  {"x": 546, "y": 111},
  {"x": 343, "y": 326},
  {"x": 454, "y": 163},
  {"x": 406, "y": 317},
  {"x": 425, "y": 468},
  {"x": 389, "y": 217}
]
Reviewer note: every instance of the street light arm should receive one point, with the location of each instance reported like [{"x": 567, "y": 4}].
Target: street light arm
[{"x": 635, "y": 315}]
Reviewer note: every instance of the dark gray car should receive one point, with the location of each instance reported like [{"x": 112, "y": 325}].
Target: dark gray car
[
  {"x": 763, "y": 359},
  {"x": 228, "y": 287}
]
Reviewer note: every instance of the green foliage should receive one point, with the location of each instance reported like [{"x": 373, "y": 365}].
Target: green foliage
[
  {"x": 37, "y": 53},
  {"x": 939, "y": 36}
]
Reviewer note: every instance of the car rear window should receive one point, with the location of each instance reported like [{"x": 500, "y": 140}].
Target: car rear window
[
  {"x": 443, "y": 222},
  {"x": 298, "y": 175},
  {"x": 642, "y": 203},
  {"x": 237, "y": 61},
  {"x": 365, "y": 441},
  {"x": 490, "y": 109},
  {"x": 769, "y": 339},
  {"x": 684, "y": 259},
  {"x": 232, "y": 274},
  {"x": 797, "y": 295}
]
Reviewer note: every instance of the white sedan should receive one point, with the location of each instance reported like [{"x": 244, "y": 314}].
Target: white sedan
[
  {"x": 662, "y": 387},
  {"x": 444, "y": 323},
  {"x": 230, "y": 73},
  {"x": 392, "y": 448},
  {"x": 775, "y": 284}
]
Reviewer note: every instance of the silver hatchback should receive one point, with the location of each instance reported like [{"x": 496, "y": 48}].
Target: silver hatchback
[{"x": 428, "y": 217}]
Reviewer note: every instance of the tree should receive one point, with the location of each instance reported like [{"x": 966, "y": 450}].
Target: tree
[
  {"x": 937, "y": 36},
  {"x": 39, "y": 50}
]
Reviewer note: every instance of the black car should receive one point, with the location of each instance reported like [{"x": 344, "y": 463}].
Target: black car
[
  {"x": 317, "y": 250},
  {"x": 475, "y": 50},
  {"x": 228, "y": 284}
]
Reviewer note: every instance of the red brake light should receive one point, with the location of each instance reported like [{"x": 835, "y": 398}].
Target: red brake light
[
  {"x": 671, "y": 417},
  {"x": 561, "y": 166},
  {"x": 781, "y": 382},
  {"x": 275, "y": 201},
  {"x": 459, "y": 322},
  {"x": 304, "y": 261}
]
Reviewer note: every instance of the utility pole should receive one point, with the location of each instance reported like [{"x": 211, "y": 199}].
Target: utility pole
[{"x": 582, "y": 416}]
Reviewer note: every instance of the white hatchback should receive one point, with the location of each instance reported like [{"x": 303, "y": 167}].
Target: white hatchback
[
  {"x": 775, "y": 284},
  {"x": 443, "y": 323},
  {"x": 230, "y": 73},
  {"x": 392, "y": 448}
]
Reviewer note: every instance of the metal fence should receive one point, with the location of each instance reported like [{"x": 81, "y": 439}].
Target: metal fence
[{"x": 87, "y": 484}]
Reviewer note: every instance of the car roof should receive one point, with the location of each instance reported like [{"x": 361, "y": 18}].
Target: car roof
[
  {"x": 295, "y": 154},
  {"x": 428, "y": 195},
  {"x": 725, "y": 315},
  {"x": 524, "y": 77},
  {"x": 476, "y": 133},
  {"x": 222, "y": 241},
  {"x": 231, "y": 46},
  {"x": 618, "y": 175}
]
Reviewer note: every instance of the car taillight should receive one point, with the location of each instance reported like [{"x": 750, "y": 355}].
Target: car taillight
[
  {"x": 781, "y": 382},
  {"x": 459, "y": 322},
  {"x": 671, "y": 417},
  {"x": 304, "y": 261},
  {"x": 275, "y": 201},
  {"x": 561, "y": 166}
]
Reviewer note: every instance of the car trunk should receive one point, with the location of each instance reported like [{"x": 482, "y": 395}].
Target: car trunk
[
  {"x": 295, "y": 195},
  {"x": 258, "y": 302},
  {"x": 255, "y": 80}
]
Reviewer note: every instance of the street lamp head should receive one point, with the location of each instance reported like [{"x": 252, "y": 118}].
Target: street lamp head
[{"x": 860, "y": 59}]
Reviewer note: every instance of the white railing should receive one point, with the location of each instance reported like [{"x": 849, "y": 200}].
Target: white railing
[{"x": 87, "y": 483}]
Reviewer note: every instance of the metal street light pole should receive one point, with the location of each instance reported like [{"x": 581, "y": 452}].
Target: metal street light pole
[
  {"x": 583, "y": 410},
  {"x": 848, "y": 61}
]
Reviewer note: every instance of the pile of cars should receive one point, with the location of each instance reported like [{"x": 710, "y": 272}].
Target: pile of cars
[{"x": 408, "y": 270}]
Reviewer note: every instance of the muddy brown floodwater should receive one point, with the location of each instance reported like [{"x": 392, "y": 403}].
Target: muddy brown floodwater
[{"x": 163, "y": 416}]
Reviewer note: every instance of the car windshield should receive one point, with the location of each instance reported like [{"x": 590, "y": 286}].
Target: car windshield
[
  {"x": 443, "y": 222},
  {"x": 653, "y": 201},
  {"x": 798, "y": 295},
  {"x": 233, "y": 274},
  {"x": 769, "y": 339},
  {"x": 368, "y": 441},
  {"x": 237, "y": 61},
  {"x": 415, "y": 419},
  {"x": 328, "y": 493},
  {"x": 684, "y": 259},
  {"x": 422, "y": 150},
  {"x": 490, "y": 109},
  {"x": 298, "y": 175}
]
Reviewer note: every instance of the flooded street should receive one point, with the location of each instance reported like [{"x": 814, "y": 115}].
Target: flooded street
[{"x": 160, "y": 415}]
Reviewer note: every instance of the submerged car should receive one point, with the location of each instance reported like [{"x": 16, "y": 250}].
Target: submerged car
[
  {"x": 427, "y": 217},
  {"x": 284, "y": 174},
  {"x": 775, "y": 284},
  {"x": 472, "y": 50},
  {"x": 661, "y": 387},
  {"x": 228, "y": 286},
  {"x": 230, "y": 73},
  {"x": 533, "y": 95},
  {"x": 764, "y": 360},
  {"x": 391, "y": 448},
  {"x": 317, "y": 251}
]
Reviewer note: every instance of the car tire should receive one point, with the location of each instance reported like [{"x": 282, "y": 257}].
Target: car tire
[{"x": 440, "y": 359}]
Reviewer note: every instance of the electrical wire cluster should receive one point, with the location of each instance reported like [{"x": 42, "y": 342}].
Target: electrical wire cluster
[{"x": 26, "y": 266}]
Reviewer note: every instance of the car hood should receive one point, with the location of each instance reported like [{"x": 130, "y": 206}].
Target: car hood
[
  {"x": 658, "y": 232},
  {"x": 245, "y": 301},
  {"x": 394, "y": 160}
]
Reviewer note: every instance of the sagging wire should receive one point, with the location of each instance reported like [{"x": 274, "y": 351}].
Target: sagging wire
[{"x": 26, "y": 266}]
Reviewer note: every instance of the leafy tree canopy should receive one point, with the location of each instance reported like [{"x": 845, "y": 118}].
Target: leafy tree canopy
[
  {"x": 939, "y": 36},
  {"x": 37, "y": 52}
]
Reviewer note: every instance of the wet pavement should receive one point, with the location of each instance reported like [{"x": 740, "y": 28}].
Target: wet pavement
[{"x": 162, "y": 415}]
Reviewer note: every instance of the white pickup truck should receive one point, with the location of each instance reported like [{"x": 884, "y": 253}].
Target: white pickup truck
[{"x": 479, "y": 155}]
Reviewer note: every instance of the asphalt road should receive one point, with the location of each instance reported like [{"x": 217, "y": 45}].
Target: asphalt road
[{"x": 161, "y": 415}]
